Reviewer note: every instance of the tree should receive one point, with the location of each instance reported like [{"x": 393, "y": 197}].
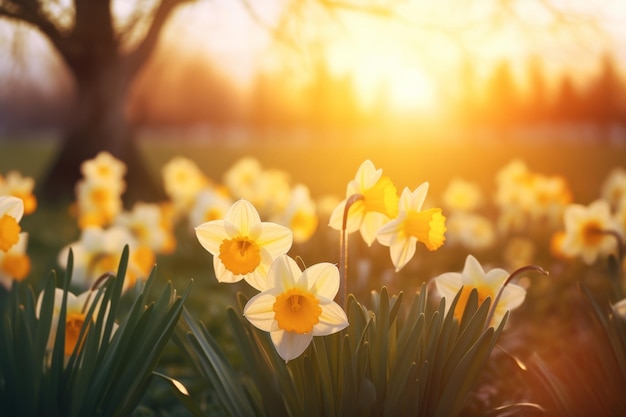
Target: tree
[{"x": 103, "y": 58}]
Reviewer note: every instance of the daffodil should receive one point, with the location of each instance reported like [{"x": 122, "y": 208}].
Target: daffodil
[
  {"x": 299, "y": 215},
  {"x": 104, "y": 167},
  {"x": 183, "y": 179},
  {"x": 462, "y": 195},
  {"x": 378, "y": 203},
  {"x": 412, "y": 225},
  {"x": 17, "y": 185},
  {"x": 11, "y": 212},
  {"x": 242, "y": 246},
  {"x": 76, "y": 313},
  {"x": 151, "y": 226},
  {"x": 97, "y": 252},
  {"x": 585, "y": 231},
  {"x": 15, "y": 263},
  {"x": 487, "y": 283},
  {"x": 297, "y": 305}
]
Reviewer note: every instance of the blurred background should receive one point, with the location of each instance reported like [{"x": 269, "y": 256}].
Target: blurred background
[{"x": 414, "y": 85}]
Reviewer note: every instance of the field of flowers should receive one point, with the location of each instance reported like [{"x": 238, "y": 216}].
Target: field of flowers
[{"x": 370, "y": 289}]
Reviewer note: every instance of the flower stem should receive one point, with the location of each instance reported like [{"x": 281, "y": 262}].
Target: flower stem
[
  {"x": 102, "y": 278},
  {"x": 343, "y": 251},
  {"x": 515, "y": 273}
]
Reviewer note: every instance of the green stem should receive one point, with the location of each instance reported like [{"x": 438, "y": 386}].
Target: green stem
[
  {"x": 343, "y": 250},
  {"x": 515, "y": 273}
]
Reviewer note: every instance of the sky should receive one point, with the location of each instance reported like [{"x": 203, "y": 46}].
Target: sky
[
  {"x": 422, "y": 48},
  {"x": 416, "y": 54}
]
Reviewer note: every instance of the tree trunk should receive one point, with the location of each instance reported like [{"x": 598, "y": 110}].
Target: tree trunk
[{"x": 99, "y": 124}]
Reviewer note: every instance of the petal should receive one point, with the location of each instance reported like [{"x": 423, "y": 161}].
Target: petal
[
  {"x": 259, "y": 310},
  {"x": 13, "y": 206},
  {"x": 448, "y": 284},
  {"x": 258, "y": 279},
  {"x": 290, "y": 345},
  {"x": 389, "y": 230},
  {"x": 243, "y": 215},
  {"x": 322, "y": 279},
  {"x": 372, "y": 223},
  {"x": 222, "y": 274},
  {"x": 367, "y": 175},
  {"x": 419, "y": 196},
  {"x": 283, "y": 273},
  {"x": 401, "y": 251},
  {"x": 495, "y": 278},
  {"x": 332, "y": 319},
  {"x": 512, "y": 297},
  {"x": 473, "y": 269},
  {"x": 336, "y": 217},
  {"x": 211, "y": 235},
  {"x": 276, "y": 239}
]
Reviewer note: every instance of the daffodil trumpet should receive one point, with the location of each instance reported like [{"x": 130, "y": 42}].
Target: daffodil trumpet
[
  {"x": 513, "y": 274},
  {"x": 343, "y": 250}
]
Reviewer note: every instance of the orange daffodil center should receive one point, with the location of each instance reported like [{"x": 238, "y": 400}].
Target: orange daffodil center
[
  {"x": 9, "y": 232},
  {"x": 11, "y": 212},
  {"x": 73, "y": 324},
  {"x": 240, "y": 255},
  {"x": 242, "y": 246},
  {"x": 297, "y": 305},
  {"x": 297, "y": 311}
]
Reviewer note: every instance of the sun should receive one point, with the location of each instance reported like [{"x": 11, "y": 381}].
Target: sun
[{"x": 410, "y": 89}]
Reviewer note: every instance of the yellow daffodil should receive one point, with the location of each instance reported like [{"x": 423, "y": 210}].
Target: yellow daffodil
[
  {"x": 585, "y": 231},
  {"x": 98, "y": 252},
  {"x": 183, "y": 179},
  {"x": 614, "y": 187},
  {"x": 11, "y": 212},
  {"x": 242, "y": 246},
  {"x": 297, "y": 306},
  {"x": 211, "y": 204},
  {"x": 487, "y": 284},
  {"x": 76, "y": 313},
  {"x": 411, "y": 226},
  {"x": 150, "y": 226},
  {"x": 17, "y": 185},
  {"x": 470, "y": 230},
  {"x": 14, "y": 263},
  {"x": 462, "y": 195},
  {"x": 378, "y": 203},
  {"x": 104, "y": 167},
  {"x": 299, "y": 215}
]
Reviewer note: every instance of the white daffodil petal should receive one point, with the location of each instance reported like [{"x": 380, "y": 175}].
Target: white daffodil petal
[
  {"x": 512, "y": 296},
  {"x": 276, "y": 239},
  {"x": 332, "y": 319},
  {"x": 283, "y": 273},
  {"x": 322, "y": 279},
  {"x": 372, "y": 222},
  {"x": 290, "y": 345},
  {"x": 12, "y": 206},
  {"x": 211, "y": 235},
  {"x": 243, "y": 214},
  {"x": 401, "y": 251},
  {"x": 222, "y": 274},
  {"x": 449, "y": 283},
  {"x": 259, "y": 311}
]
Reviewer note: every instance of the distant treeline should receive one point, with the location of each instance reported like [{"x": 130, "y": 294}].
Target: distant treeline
[{"x": 189, "y": 91}]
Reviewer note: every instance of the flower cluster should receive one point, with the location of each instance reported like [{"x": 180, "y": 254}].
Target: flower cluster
[
  {"x": 525, "y": 197},
  {"x": 106, "y": 226},
  {"x": 293, "y": 306},
  {"x": 376, "y": 211},
  {"x": 201, "y": 199}
]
